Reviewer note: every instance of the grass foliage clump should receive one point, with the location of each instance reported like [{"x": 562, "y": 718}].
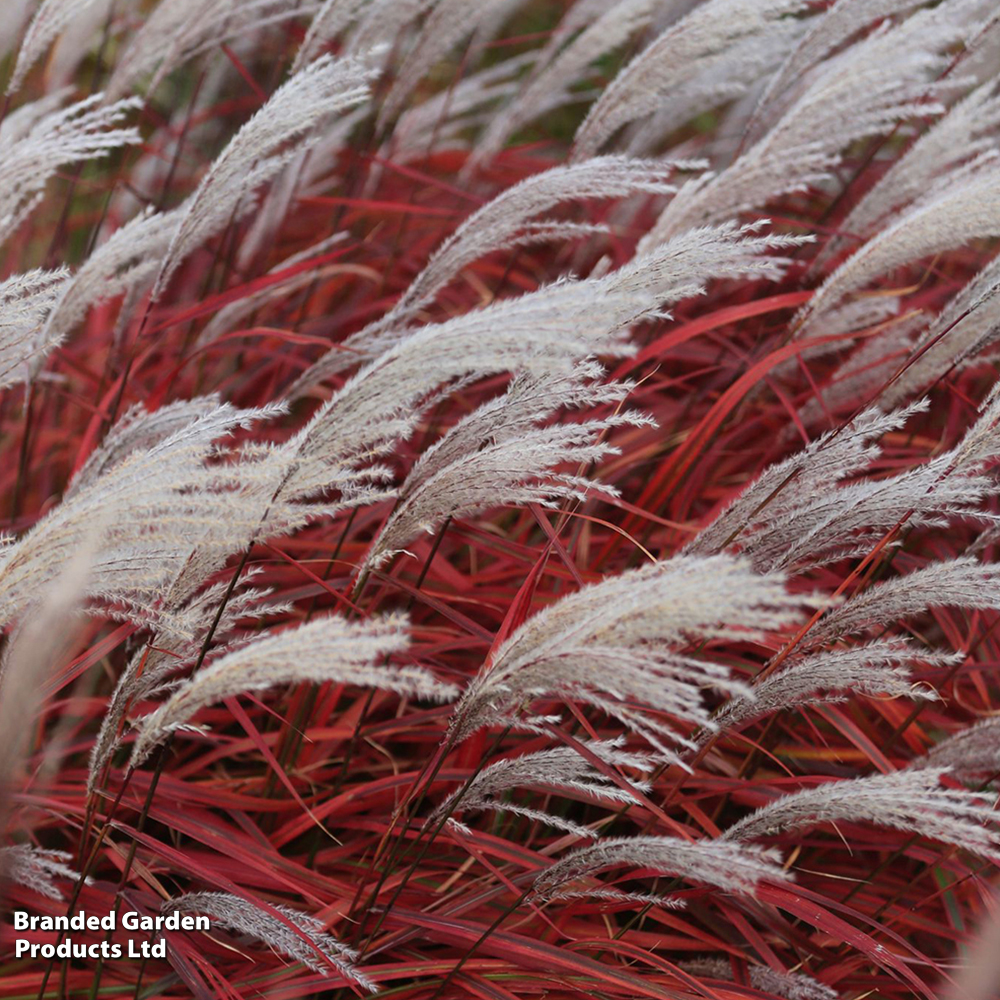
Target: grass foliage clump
[{"x": 502, "y": 499}]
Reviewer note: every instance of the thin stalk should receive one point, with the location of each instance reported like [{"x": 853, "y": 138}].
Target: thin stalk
[
  {"x": 501, "y": 917},
  {"x": 426, "y": 846}
]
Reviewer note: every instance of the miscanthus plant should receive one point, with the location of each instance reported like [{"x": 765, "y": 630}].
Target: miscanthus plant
[{"x": 501, "y": 499}]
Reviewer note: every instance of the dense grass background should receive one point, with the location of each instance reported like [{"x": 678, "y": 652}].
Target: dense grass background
[{"x": 316, "y": 796}]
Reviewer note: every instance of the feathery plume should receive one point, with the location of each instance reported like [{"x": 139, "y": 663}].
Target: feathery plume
[
  {"x": 866, "y": 372},
  {"x": 181, "y": 626},
  {"x": 803, "y": 522},
  {"x": 970, "y": 753},
  {"x": 294, "y": 181},
  {"x": 143, "y": 514},
  {"x": 511, "y": 219},
  {"x": 331, "y": 454},
  {"x": 383, "y": 22},
  {"x": 730, "y": 77},
  {"x": 49, "y": 21},
  {"x": 25, "y": 302},
  {"x": 329, "y": 649},
  {"x": 960, "y": 583},
  {"x": 966, "y": 132},
  {"x": 260, "y": 150},
  {"x": 560, "y": 68},
  {"x": 963, "y": 206},
  {"x": 683, "y": 51},
  {"x": 862, "y": 314},
  {"x": 539, "y": 333},
  {"x": 968, "y": 325},
  {"x": 528, "y": 401},
  {"x": 306, "y": 940},
  {"x": 979, "y": 970},
  {"x": 561, "y": 323},
  {"x": 37, "y": 141},
  {"x": 577, "y": 18},
  {"x": 849, "y": 520},
  {"x": 16, "y": 14},
  {"x": 790, "y": 985},
  {"x": 331, "y": 20},
  {"x": 36, "y": 869},
  {"x": 884, "y": 79},
  {"x": 124, "y": 263},
  {"x": 781, "y": 487},
  {"x": 571, "y": 320},
  {"x": 979, "y": 57},
  {"x": 563, "y": 768},
  {"x": 441, "y": 120},
  {"x": 447, "y": 24},
  {"x": 825, "y": 34},
  {"x": 498, "y": 455},
  {"x": 518, "y": 471},
  {"x": 681, "y": 267},
  {"x": 904, "y": 800},
  {"x": 978, "y": 445},
  {"x": 34, "y": 647},
  {"x": 874, "y": 669},
  {"x": 90, "y": 23},
  {"x": 178, "y": 30},
  {"x": 618, "y": 645},
  {"x": 137, "y": 430},
  {"x": 731, "y": 867}
]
